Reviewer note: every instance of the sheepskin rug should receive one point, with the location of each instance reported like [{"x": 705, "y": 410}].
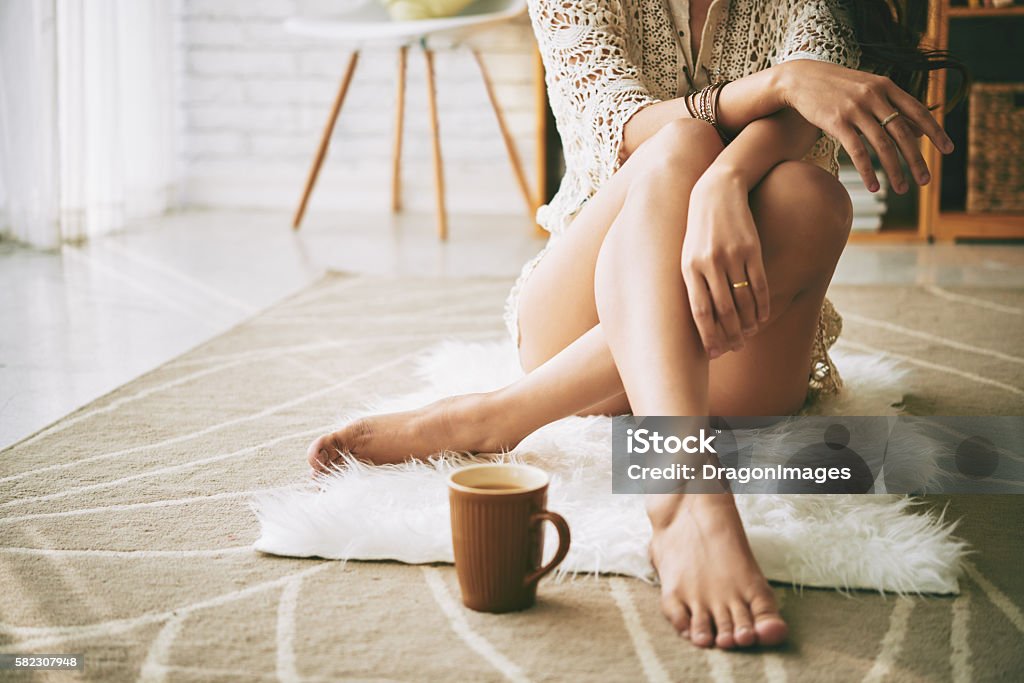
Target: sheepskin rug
[{"x": 878, "y": 542}]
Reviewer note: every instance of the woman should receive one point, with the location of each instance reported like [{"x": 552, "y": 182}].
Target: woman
[{"x": 686, "y": 276}]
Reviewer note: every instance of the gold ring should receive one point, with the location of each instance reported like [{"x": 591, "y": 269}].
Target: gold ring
[
  {"x": 740, "y": 285},
  {"x": 889, "y": 119}
]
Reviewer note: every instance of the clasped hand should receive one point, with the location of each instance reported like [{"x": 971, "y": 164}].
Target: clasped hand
[{"x": 722, "y": 265}]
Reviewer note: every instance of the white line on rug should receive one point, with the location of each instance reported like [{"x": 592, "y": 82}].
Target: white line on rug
[
  {"x": 892, "y": 642},
  {"x": 931, "y": 366},
  {"x": 305, "y": 398},
  {"x": 974, "y": 301},
  {"x": 316, "y": 293},
  {"x": 998, "y": 597},
  {"x": 37, "y": 637},
  {"x": 206, "y": 673},
  {"x": 166, "y": 502},
  {"x": 113, "y": 405},
  {"x": 287, "y": 671},
  {"x": 261, "y": 353},
  {"x": 654, "y": 670},
  {"x": 400, "y": 318},
  {"x": 230, "y": 361},
  {"x": 458, "y": 622},
  {"x": 423, "y": 307},
  {"x": 774, "y": 668},
  {"x": 719, "y": 665},
  {"x": 960, "y": 639},
  {"x": 127, "y": 554},
  {"x": 927, "y": 336},
  {"x": 154, "y": 669},
  {"x": 163, "y": 470},
  {"x": 413, "y": 300},
  {"x": 369, "y": 340},
  {"x": 429, "y": 285}
]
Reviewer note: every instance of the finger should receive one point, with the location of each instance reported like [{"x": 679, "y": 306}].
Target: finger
[
  {"x": 899, "y": 130},
  {"x": 921, "y": 117},
  {"x": 721, "y": 336},
  {"x": 913, "y": 128},
  {"x": 885, "y": 148},
  {"x": 858, "y": 154},
  {"x": 746, "y": 307},
  {"x": 725, "y": 309},
  {"x": 703, "y": 312},
  {"x": 759, "y": 287}
]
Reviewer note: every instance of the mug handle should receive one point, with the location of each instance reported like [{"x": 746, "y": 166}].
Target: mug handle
[{"x": 563, "y": 544}]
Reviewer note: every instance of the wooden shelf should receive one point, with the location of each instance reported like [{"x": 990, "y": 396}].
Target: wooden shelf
[
  {"x": 933, "y": 222},
  {"x": 978, "y": 12},
  {"x": 900, "y": 236},
  {"x": 953, "y": 224}
]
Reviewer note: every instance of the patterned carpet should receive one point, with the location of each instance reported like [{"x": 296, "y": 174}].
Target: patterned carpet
[{"x": 125, "y": 531}]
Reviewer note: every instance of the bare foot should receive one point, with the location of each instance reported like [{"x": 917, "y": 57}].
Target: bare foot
[
  {"x": 712, "y": 590},
  {"x": 466, "y": 424}
]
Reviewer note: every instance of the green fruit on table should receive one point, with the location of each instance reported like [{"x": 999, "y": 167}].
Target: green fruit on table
[{"x": 410, "y": 10}]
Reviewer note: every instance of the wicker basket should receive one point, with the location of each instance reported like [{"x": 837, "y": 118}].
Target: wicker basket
[{"x": 995, "y": 150}]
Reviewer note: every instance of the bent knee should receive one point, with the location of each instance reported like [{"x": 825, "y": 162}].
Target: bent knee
[
  {"x": 681, "y": 145},
  {"x": 813, "y": 206}
]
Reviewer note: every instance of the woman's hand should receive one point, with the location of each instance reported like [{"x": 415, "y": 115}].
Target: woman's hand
[
  {"x": 845, "y": 102},
  {"x": 722, "y": 248}
]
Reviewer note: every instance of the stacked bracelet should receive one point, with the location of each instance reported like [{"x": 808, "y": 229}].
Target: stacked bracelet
[{"x": 703, "y": 105}]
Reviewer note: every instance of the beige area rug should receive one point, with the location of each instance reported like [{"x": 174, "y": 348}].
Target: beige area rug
[{"x": 125, "y": 532}]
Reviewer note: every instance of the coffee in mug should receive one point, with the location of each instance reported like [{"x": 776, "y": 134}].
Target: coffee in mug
[{"x": 498, "y": 514}]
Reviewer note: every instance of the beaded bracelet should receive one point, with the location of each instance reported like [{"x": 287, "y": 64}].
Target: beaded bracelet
[{"x": 703, "y": 105}]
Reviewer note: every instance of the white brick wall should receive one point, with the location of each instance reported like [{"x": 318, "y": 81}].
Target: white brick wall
[{"x": 254, "y": 101}]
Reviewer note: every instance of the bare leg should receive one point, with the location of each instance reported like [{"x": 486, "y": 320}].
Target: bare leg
[
  {"x": 699, "y": 532},
  {"x": 639, "y": 292},
  {"x": 769, "y": 376},
  {"x": 482, "y": 423},
  {"x": 564, "y": 349}
]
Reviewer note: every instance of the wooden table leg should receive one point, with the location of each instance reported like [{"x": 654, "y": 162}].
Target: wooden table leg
[
  {"x": 396, "y": 157},
  {"x": 325, "y": 139},
  {"x": 510, "y": 143},
  {"x": 442, "y": 218}
]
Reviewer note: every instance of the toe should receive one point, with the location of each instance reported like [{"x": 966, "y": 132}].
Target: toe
[
  {"x": 723, "y": 628},
  {"x": 700, "y": 627},
  {"x": 676, "y": 613},
  {"x": 771, "y": 630},
  {"x": 324, "y": 453},
  {"x": 768, "y": 623},
  {"x": 743, "y": 624},
  {"x": 318, "y": 454}
]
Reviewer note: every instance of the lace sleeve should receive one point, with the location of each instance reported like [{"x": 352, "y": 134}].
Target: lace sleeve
[
  {"x": 593, "y": 84},
  {"x": 819, "y": 30}
]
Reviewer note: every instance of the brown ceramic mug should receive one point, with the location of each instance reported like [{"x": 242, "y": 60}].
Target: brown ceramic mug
[{"x": 498, "y": 520}]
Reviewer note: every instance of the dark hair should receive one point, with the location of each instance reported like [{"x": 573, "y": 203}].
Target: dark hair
[{"x": 889, "y": 34}]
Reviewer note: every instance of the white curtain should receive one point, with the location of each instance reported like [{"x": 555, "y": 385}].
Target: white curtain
[{"x": 87, "y": 134}]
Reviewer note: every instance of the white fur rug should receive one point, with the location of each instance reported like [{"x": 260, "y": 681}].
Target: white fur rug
[{"x": 400, "y": 513}]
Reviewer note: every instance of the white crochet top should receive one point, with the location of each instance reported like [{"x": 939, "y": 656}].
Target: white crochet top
[{"x": 606, "y": 59}]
